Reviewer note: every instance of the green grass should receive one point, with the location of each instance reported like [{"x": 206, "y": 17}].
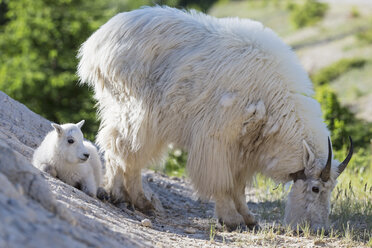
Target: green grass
[
  {"x": 352, "y": 199},
  {"x": 212, "y": 232}
]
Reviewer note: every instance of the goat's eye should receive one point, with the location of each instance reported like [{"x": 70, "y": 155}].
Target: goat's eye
[
  {"x": 315, "y": 189},
  {"x": 70, "y": 141}
]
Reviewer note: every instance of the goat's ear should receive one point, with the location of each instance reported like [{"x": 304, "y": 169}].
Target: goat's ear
[
  {"x": 308, "y": 155},
  {"x": 58, "y": 128},
  {"x": 80, "y": 124}
]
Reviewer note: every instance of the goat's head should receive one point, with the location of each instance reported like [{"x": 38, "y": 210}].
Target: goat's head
[
  {"x": 70, "y": 144},
  {"x": 309, "y": 199}
]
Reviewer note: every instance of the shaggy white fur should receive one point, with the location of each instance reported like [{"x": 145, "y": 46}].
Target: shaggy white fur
[
  {"x": 228, "y": 91},
  {"x": 65, "y": 155}
]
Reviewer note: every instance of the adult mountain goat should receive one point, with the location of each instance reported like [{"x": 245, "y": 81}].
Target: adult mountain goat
[{"x": 228, "y": 91}]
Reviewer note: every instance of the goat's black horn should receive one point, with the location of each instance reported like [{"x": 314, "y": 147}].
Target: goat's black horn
[
  {"x": 326, "y": 172},
  {"x": 343, "y": 165}
]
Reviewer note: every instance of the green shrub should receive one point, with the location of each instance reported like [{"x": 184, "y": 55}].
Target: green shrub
[
  {"x": 38, "y": 46},
  {"x": 335, "y": 70},
  {"x": 307, "y": 14},
  {"x": 341, "y": 121}
]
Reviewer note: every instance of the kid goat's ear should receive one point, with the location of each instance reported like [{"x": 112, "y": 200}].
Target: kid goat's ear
[
  {"x": 80, "y": 124},
  {"x": 58, "y": 128}
]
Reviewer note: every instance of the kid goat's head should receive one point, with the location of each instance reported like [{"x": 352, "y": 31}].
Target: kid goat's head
[
  {"x": 70, "y": 144},
  {"x": 309, "y": 199}
]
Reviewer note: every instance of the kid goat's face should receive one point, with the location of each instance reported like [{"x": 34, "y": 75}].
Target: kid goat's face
[{"x": 71, "y": 143}]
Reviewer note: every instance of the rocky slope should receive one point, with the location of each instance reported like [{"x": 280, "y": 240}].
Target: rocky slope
[{"x": 39, "y": 211}]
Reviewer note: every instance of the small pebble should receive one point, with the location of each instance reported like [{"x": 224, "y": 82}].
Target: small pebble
[
  {"x": 190, "y": 230},
  {"x": 146, "y": 223}
]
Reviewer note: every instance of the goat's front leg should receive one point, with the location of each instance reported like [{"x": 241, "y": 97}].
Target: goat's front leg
[
  {"x": 133, "y": 185},
  {"x": 241, "y": 206},
  {"x": 51, "y": 170},
  {"x": 227, "y": 213}
]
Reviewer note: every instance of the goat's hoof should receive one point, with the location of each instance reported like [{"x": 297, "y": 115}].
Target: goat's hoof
[
  {"x": 231, "y": 227},
  {"x": 102, "y": 194},
  {"x": 148, "y": 209},
  {"x": 242, "y": 227},
  {"x": 144, "y": 205},
  {"x": 254, "y": 227},
  {"x": 150, "y": 212}
]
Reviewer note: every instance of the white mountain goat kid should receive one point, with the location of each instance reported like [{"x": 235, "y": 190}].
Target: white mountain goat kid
[
  {"x": 228, "y": 91},
  {"x": 65, "y": 155}
]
